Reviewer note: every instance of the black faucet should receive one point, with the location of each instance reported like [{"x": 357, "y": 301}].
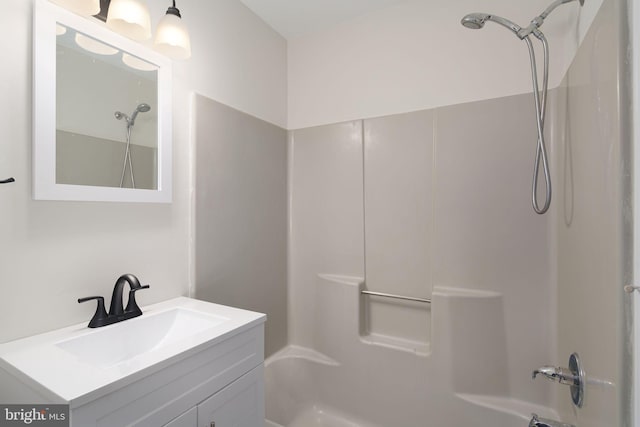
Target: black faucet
[{"x": 116, "y": 312}]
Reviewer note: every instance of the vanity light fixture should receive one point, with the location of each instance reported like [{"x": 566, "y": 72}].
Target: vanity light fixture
[
  {"x": 130, "y": 18},
  {"x": 172, "y": 38},
  {"x": 81, "y": 7}
]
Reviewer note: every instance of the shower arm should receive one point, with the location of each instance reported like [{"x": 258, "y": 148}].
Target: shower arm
[{"x": 539, "y": 20}]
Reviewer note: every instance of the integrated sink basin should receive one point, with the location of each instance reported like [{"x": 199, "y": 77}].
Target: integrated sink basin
[
  {"x": 78, "y": 364},
  {"x": 109, "y": 346}
]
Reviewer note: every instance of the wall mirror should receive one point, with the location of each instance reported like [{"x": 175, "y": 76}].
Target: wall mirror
[{"x": 102, "y": 113}]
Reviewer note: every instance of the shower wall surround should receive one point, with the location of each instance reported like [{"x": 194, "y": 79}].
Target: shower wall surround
[
  {"x": 241, "y": 214},
  {"x": 326, "y": 225},
  {"x": 432, "y": 198},
  {"x": 592, "y": 219},
  {"x": 465, "y": 173},
  {"x": 398, "y": 209}
]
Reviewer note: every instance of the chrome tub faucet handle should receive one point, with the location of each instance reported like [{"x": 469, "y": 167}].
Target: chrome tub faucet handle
[
  {"x": 574, "y": 377},
  {"x": 562, "y": 375},
  {"x": 543, "y": 422}
]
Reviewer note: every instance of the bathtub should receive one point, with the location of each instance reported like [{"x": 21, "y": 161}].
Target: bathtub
[{"x": 351, "y": 379}]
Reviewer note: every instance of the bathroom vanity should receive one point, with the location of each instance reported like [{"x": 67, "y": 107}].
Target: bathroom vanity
[{"x": 182, "y": 363}]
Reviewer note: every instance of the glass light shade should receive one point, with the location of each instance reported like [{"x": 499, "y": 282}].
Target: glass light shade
[
  {"x": 81, "y": 7},
  {"x": 172, "y": 37},
  {"x": 130, "y": 18},
  {"x": 95, "y": 46}
]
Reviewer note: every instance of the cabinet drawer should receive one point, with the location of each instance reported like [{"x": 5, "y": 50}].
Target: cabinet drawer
[{"x": 240, "y": 404}]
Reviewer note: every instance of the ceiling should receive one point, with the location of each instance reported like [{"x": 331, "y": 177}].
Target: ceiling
[{"x": 293, "y": 18}]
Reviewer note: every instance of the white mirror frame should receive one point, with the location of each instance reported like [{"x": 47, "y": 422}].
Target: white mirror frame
[{"x": 46, "y": 15}]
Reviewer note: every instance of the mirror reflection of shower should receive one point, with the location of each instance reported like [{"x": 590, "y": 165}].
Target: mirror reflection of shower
[
  {"x": 131, "y": 120},
  {"x": 476, "y": 21}
]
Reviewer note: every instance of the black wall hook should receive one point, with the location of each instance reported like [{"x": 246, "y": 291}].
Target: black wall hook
[{"x": 7, "y": 181}]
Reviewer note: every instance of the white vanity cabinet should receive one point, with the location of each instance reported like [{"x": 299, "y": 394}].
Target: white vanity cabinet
[
  {"x": 238, "y": 404},
  {"x": 223, "y": 384},
  {"x": 184, "y": 363}
]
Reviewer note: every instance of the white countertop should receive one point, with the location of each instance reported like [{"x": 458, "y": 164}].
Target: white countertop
[{"x": 45, "y": 363}]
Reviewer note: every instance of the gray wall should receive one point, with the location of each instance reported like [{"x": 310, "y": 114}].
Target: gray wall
[
  {"x": 86, "y": 160},
  {"x": 241, "y": 214}
]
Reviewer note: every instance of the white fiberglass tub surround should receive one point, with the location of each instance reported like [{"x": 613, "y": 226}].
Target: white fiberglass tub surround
[{"x": 354, "y": 380}]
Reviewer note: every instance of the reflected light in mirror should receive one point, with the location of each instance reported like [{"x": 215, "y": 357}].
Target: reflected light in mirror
[
  {"x": 82, "y": 7},
  {"x": 93, "y": 45},
  {"x": 60, "y": 30},
  {"x": 137, "y": 63},
  {"x": 130, "y": 18}
]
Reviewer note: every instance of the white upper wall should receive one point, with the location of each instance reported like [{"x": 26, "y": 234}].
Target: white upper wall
[
  {"x": 415, "y": 55},
  {"x": 237, "y": 60},
  {"x": 297, "y": 17}
]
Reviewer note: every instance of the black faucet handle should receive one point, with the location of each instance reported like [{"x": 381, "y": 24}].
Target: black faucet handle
[
  {"x": 85, "y": 299},
  {"x": 100, "y": 315},
  {"x": 132, "y": 306}
]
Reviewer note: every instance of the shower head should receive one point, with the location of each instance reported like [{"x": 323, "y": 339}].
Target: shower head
[
  {"x": 475, "y": 21},
  {"x": 141, "y": 108}
]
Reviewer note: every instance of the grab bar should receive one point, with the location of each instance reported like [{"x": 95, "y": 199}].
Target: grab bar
[{"x": 385, "y": 295}]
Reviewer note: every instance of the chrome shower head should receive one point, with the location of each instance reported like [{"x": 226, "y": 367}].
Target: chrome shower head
[
  {"x": 141, "y": 108},
  {"x": 474, "y": 21}
]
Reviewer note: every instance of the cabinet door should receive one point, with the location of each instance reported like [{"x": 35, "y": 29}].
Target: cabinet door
[
  {"x": 188, "y": 419},
  {"x": 240, "y": 404}
]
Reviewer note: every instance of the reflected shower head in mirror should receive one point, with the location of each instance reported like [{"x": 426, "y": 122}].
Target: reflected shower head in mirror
[{"x": 141, "y": 108}]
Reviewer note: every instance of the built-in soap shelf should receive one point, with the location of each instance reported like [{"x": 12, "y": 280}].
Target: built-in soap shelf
[
  {"x": 396, "y": 321},
  {"x": 461, "y": 318},
  {"x": 341, "y": 306}
]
